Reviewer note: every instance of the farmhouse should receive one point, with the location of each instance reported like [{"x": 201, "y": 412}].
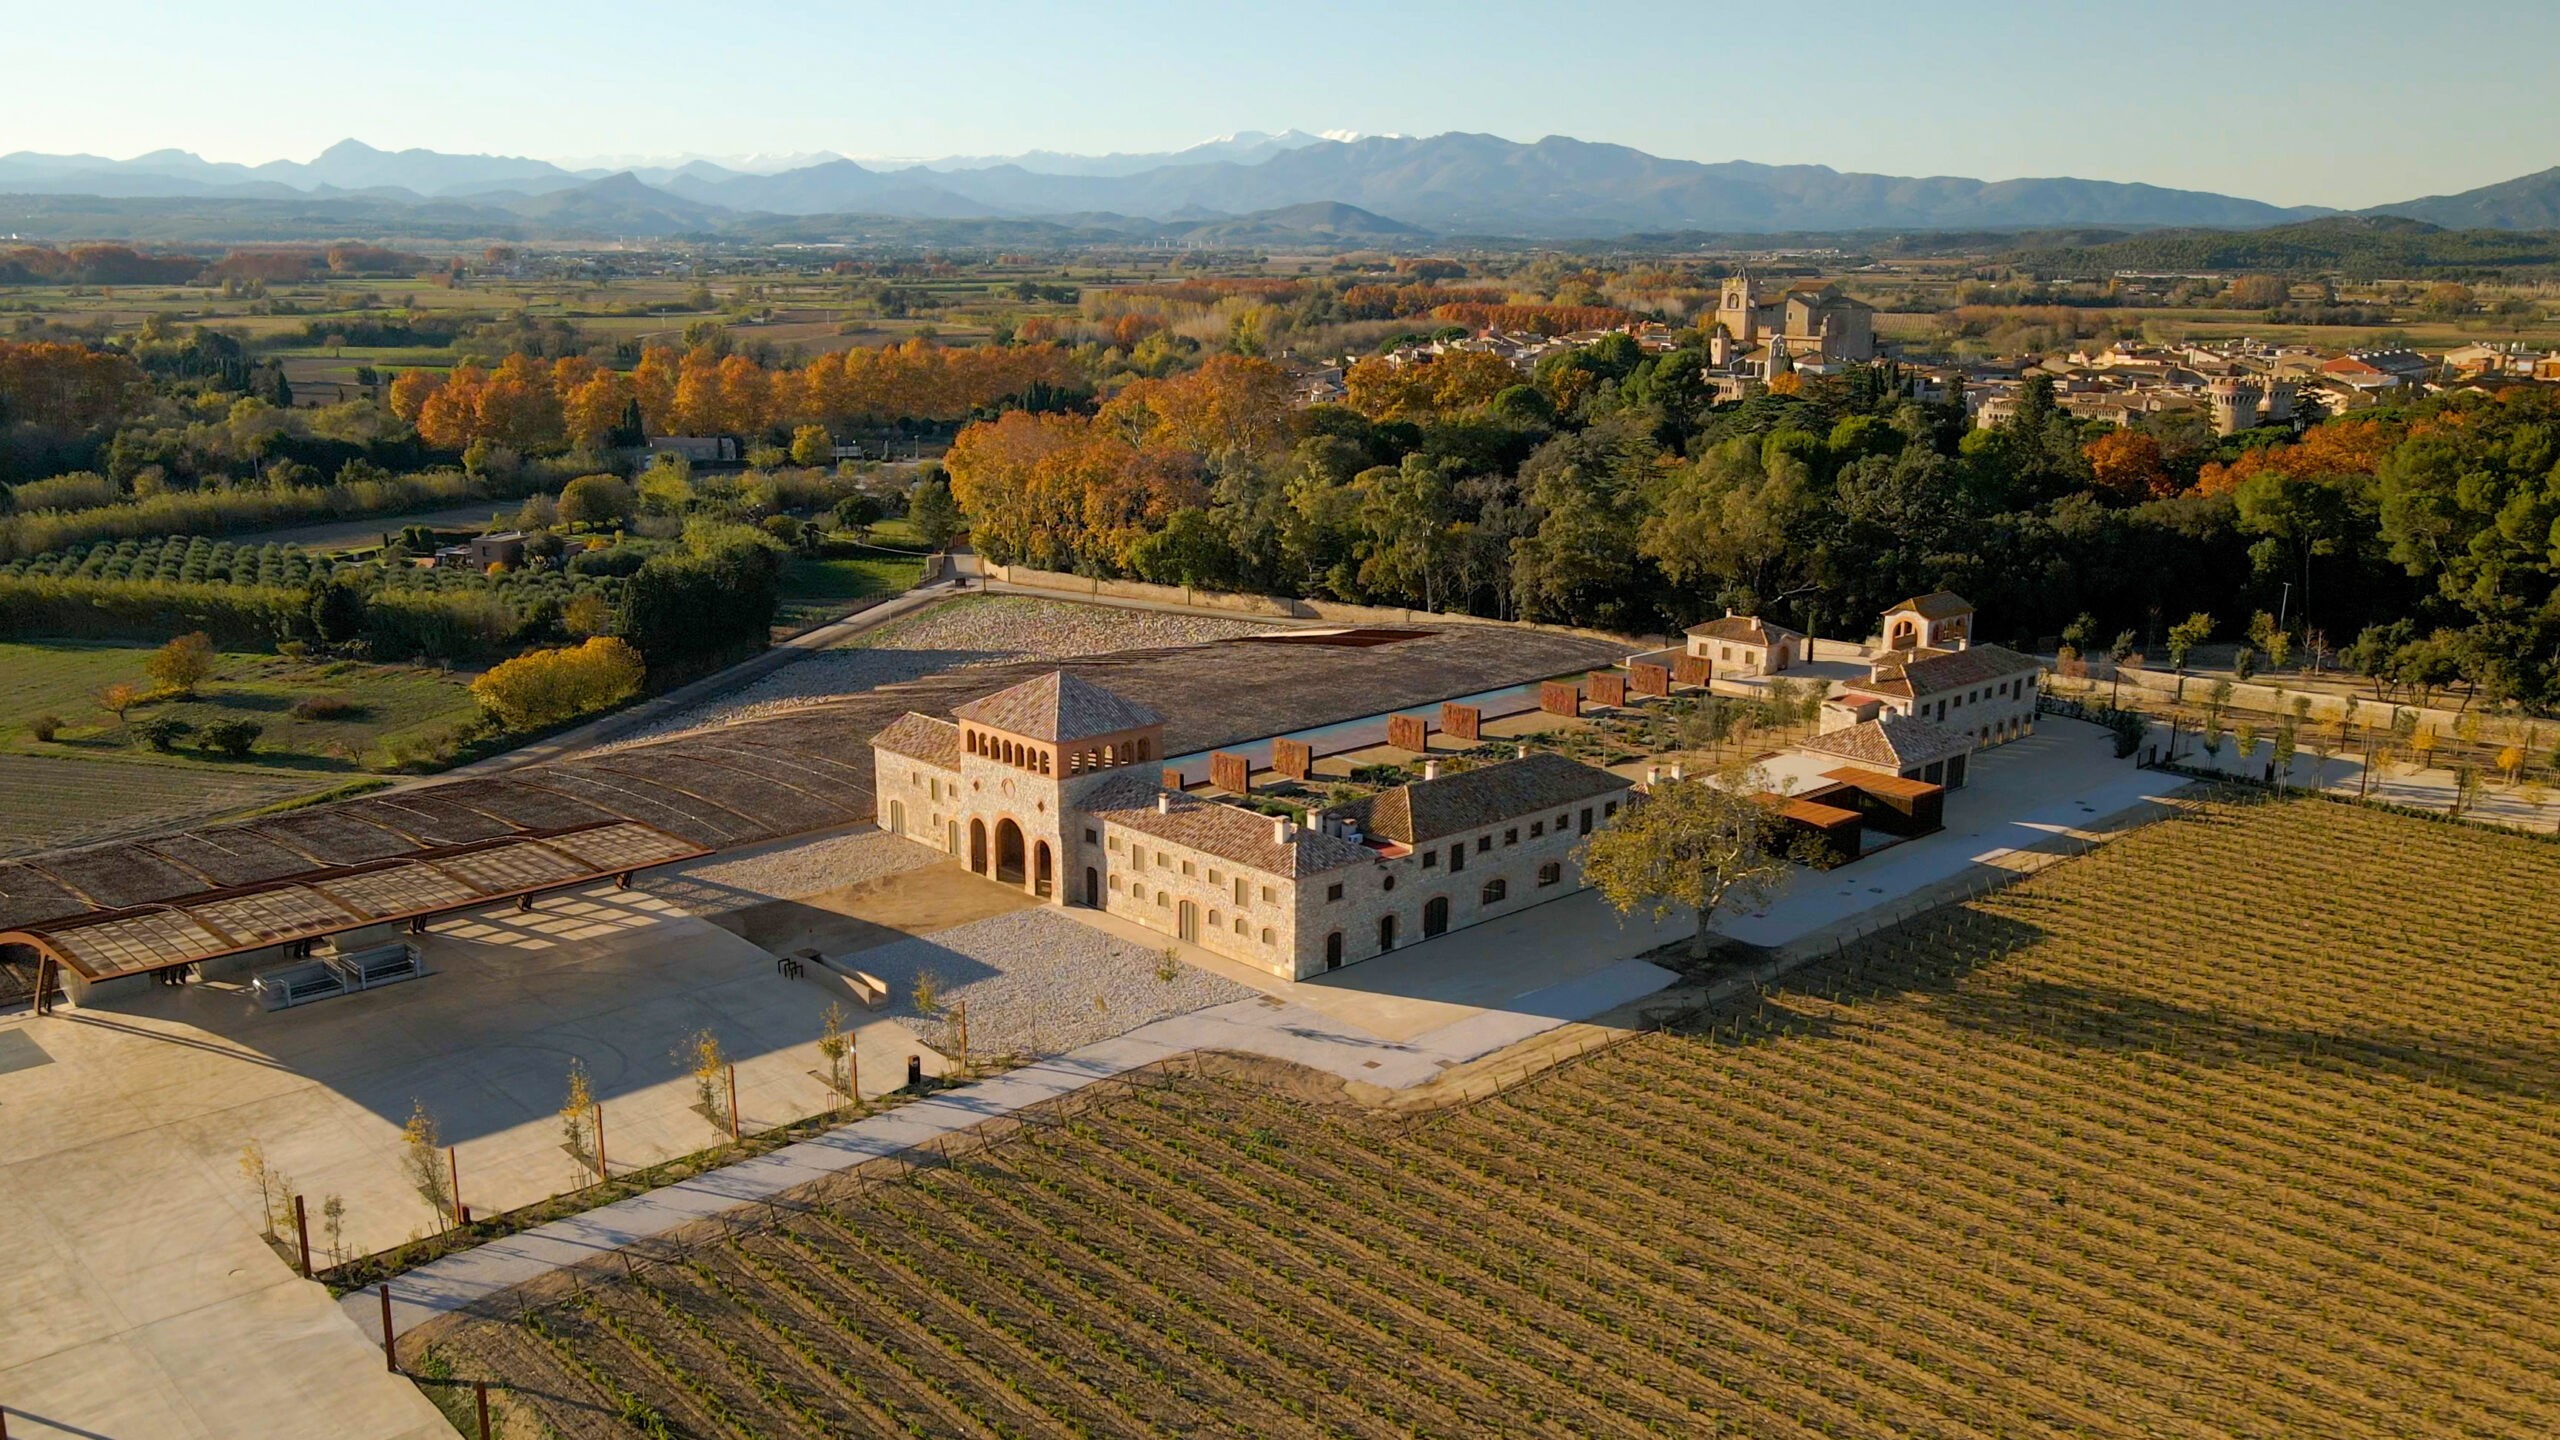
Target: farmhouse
[
  {"x": 1044, "y": 786},
  {"x": 1745, "y": 645}
]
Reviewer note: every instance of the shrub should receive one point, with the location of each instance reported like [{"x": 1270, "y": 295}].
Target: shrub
[
  {"x": 182, "y": 664},
  {"x": 81, "y": 491},
  {"x": 161, "y": 732},
  {"x": 326, "y": 707},
  {"x": 231, "y": 738},
  {"x": 546, "y": 687},
  {"x": 45, "y": 727},
  {"x": 598, "y": 500},
  {"x": 446, "y": 624}
]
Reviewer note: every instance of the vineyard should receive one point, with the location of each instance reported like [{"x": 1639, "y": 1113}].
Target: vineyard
[{"x": 2240, "y": 1126}]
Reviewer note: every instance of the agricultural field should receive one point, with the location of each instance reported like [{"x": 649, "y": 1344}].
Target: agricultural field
[
  {"x": 323, "y": 724},
  {"x": 2237, "y": 1127}
]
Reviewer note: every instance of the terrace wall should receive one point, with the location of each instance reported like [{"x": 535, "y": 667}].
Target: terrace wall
[{"x": 1276, "y": 607}]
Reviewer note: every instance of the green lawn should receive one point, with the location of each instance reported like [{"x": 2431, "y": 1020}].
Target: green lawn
[
  {"x": 822, "y": 590},
  {"x": 62, "y": 678}
]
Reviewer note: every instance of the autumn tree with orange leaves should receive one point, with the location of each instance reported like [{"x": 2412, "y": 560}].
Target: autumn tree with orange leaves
[{"x": 2128, "y": 465}]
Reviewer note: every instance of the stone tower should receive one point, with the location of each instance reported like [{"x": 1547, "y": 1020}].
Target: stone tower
[{"x": 1026, "y": 754}]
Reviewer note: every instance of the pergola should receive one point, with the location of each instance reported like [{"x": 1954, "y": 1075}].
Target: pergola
[{"x": 114, "y": 942}]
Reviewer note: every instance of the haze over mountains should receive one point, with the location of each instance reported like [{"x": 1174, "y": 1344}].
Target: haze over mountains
[{"x": 1451, "y": 184}]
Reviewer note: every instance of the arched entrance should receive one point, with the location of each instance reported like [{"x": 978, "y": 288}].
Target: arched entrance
[
  {"x": 978, "y": 846},
  {"x": 1386, "y": 933},
  {"x": 1187, "y": 921},
  {"x": 897, "y": 817},
  {"x": 1333, "y": 951},
  {"x": 1093, "y": 887},
  {"x": 1041, "y": 881},
  {"x": 1435, "y": 916},
  {"x": 1008, "y": 852}
]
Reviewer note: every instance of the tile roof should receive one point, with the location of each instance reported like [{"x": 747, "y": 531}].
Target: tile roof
[
  {"x": 1894, "y": 740},
  {"x": 1743, "y": 629},
  {"x": 1213, "y": 827},
  {"x": 1057, "y": 707},
  {"x": 1931, "y": 672},
  {"x": 921, "y": 737},
  {"x": 1426, "y": 810},
  {"x": 1936, "y": 605}
]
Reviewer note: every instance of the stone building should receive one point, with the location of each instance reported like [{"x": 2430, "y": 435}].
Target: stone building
[
  {"x": 1808, "y": 320},
  {"x": 1929, "y": 669},
  {"x": 1047, "y": 786},
  {"x": 1745, "y": 645}
]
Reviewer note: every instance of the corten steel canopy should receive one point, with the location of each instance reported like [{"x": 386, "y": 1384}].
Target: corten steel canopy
[{"x": 102, "y": 944}]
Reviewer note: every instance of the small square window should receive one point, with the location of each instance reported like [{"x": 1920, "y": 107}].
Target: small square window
[
  {"x": 1089, "y": 836},
  {"x": 1430, "y": 859},
  {"x": 1537, "y": 828},
  {"x": 1215, "y": 878},
  {"x": 1483, "y": 843},
  {"x": 1562, "y": 821},
  {"x": 1115, "y": 842},
  {"x": 1269, "y": 895},
  {"x": 1115, "y": 882},
  {"x": 1186, "y": 868},
  {"x": 1511, "y": 836},
  {"x": 1332, "y": 893},
  {"x": 1609, "y": 810}
]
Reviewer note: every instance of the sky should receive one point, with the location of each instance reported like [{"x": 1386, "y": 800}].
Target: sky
[{"x": 2346, "y": 104}]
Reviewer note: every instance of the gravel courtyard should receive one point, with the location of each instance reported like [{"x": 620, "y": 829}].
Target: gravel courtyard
[
  {"x": 784, "y": 870},
  {"x": 964, "y": 631},
  {"x": 1037, "y": 983}
]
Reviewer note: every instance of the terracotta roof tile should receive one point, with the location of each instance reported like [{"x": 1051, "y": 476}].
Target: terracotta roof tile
[
  {"x": 1893, "y": 740},
  {"x": 1426, "y": 810},
  {"x": 1057, "y": 707},
  {"x": 921, "y": 737},
  {"x": 1213, "y": 827}
]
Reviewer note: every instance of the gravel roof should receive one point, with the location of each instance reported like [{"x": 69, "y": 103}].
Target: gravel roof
[{"x": 809, "y": 768}]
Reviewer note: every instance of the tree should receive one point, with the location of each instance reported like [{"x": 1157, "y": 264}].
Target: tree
[
  {"x": 858, "y": 513},
  {"x": 181, "y": 665},
  {"x": 811, "y": 445},
  {"x": 232, "y": 739},
  {"x": 1692, "y": 844},
  {"x": 2127, "y": 465},
  {"x": 161, "y": 732},
  {"x": 2184, "y": 637},
  {"x": 337, "y": 611},
  {"x": 933, "y": 513},
  {"x": 119, "y": 697},
  {"x": 587, "y": 613},
  {"x": 597, "y": 500},
  {"x": 545, "y": 687},
  {"x": 422, "y": 1159},
  {"x": 2260, "y": 292}
]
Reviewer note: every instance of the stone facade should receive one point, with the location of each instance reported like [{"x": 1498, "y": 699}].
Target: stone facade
[{"x": 1050, "y": 791}]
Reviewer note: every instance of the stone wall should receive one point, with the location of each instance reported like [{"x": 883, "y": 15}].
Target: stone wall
[
  {"x": 1150, "y": 891},
  {"x": 1559, "y": 697},
  {"x": 1409, "y": 732},
  {"x": 1461, "y": 722},
  {"x": 1293, "y": 758},
  {"x": 1231, "y": 773}
]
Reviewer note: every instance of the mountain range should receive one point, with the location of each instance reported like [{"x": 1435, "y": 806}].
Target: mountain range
[{"x": 1454, "y": 184}]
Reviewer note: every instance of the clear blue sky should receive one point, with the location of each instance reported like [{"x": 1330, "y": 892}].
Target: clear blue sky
[{"x": 2348, "y": 103}]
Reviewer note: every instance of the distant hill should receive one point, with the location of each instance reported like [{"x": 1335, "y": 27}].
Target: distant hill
[
  {"x": 2355, "y": 246},
  {"x": 1558, "y": 187},
  {"x": 617, "y": 205},
  {"x": 2529, "y": 202}
]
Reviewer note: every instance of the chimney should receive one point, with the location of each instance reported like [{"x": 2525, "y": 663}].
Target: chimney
[
  {"x": 1675, "y": 772},
  {"x": 1283, "y": 830},
  {"x": 1164, "y": 803},
  {"x": 1430, "y": 769},
  {"x": 1652, "y": 776},
  {"x": 1520, "y": 752}
]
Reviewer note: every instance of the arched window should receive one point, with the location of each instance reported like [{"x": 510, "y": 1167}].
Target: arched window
[
  {"x": 1266, "y": 935},
  {"x": 1214, "y": 920},
  {"x": 1550, "y": 873},
  {"x": 1494, "y": 892},
  {"x": 1239, "y": 924}
]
